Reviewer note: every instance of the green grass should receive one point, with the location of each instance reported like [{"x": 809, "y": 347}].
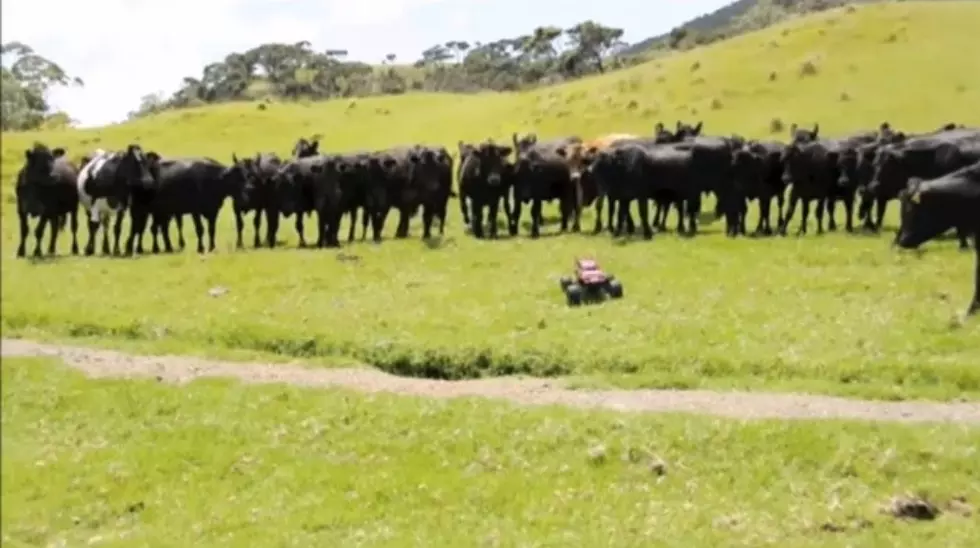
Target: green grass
[
  {"x": 139, "y": 463},
  {"x": 832, "y": 314}
]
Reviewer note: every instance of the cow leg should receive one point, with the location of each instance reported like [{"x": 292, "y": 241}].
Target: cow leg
[
  {"x": 476, "y": 218},
  {"x": 93, "y": 229},
  {"x": 117, "y": 231},
  {"x": 680, "y": 207},
  {"x": 975, "y": 305},
  {"x": 239, "y": 228},
  {"x": 53, "y": 239},
  {"x": 73, "y": 225},
  {"x": 963, "y": 236},
  {"x": 199, "y": 230},
  {"x": 494, "y": 212},
  {"x": 104, "y": 223},
  {"x": 299, "y": 228},
  {"x": 353, "y": 223},
  {"x": 693, "y": 211},
  {"x": 881, "y": 205},
  {"x": 155, "y": 232},
  {"x": 463, "y": 209},
  {"x": 366, "y": 215},
  {"x": 821, "y": 204},
  {"x": 622, "y": 211},
  {"x": 864, "y": 211},
  {"x": 212, "y": 218},
  {"x": 535, "y": 218},
  {"x": 428, "y": 214},
  {"x": 806, "y": 217},
  {"x": 39, "y": 234},
  {"x": 137, "y": 222},
  {"x": 849, "y": 213},
  {"x": 24, "y": 229},
  {"x": 831, "y": 207},
  {"x": 794, "y": 198},
  {"x": 256, "y": 228},
  {"x": 644, "y": 207},
  {"x": 179, "y": 221},
  {"x": 271, "y": 226}
]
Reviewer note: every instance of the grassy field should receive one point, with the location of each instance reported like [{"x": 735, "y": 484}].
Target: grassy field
[
  {"x": 833, "y": 314},
  {"x": 139, "y": 463}
]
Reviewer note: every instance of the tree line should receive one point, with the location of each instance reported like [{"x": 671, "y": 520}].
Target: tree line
[
  {"x": 297, "y": 71},
  {"x": 26, "y": 79}
]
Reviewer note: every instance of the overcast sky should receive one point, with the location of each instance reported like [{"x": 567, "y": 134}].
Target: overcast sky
[{"x": 125, "y": 49}]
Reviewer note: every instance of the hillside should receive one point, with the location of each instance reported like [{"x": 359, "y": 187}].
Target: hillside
[
  {"x": 736, "y": 18},
  {"x": 423, "y": 309},
  {"x": 854, "y": 57}
]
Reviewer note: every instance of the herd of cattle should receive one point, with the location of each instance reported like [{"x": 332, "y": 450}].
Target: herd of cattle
[
  {"x": 668, "y": 169},
  {"x": 935, "y": 175}
]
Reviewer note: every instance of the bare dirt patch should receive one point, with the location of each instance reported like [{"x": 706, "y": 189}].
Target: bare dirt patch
[{"x": 744, "y": 405}]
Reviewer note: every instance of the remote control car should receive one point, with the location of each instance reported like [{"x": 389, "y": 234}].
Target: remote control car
[{"x": 590, "y": 284}]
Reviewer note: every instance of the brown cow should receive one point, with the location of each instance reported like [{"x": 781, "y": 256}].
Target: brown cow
[{"x": 577, "y": 157}]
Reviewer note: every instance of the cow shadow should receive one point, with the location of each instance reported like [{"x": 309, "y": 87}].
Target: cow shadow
[{"x": 438, "y": 243}]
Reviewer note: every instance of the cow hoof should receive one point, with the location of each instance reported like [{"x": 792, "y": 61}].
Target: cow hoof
[{"x": 21, "y": 252}]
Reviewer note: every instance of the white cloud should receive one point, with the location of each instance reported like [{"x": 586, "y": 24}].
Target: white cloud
[{"x": 125, "y": 49}]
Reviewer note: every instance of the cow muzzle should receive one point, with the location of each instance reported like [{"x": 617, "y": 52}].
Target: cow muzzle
[{"x": 493, "y": 179}]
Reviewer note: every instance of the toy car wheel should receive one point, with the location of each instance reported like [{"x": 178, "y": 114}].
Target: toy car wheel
[
  {"x": 615, "y": 289},
  {"x": 566, "y": 281},
  {"x": 574, "y": 294}
]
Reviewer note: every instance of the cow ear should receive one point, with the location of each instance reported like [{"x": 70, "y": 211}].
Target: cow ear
[
  {"x": 816, "y": 130},
  {"x": 152, "y": 157},
  {"x": 697, "y": 128},
  {"x": 234, "y": 158},
  {"x": 562, "y": 152},
  {"x": 58, "y": 152},
  {"x": 27, "y": 154},
  {"x": 504, "y": 151}
]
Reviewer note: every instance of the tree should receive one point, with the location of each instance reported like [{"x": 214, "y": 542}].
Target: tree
[{"x": 26, "y": 79}]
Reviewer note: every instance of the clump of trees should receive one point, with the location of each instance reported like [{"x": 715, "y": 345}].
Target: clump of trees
[
  {"x": 297, "y": 71},
  {"x": 27, "y": 77}
]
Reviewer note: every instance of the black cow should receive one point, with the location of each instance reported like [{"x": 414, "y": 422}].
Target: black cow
[
  {"x": 542, "y": 175},
  {"x": 926, "y": 157},
  {"x": 312, "y": 182},
  {"x": 930, "y": 208},
  {"x": 435, "y": 202},
  {"x": 637, "y": 171},
  {"x": 197, "y": 187},
  {"x": 798, "y": 135},
  {"x": 485, "y": 178},
  {"x": 305, "y": 148},
  {"x": 757, "y": 173},
  {"x": 111, "y": 182},
  {"x": 813, "y": 167},
  {"x": 415, "y": 177},
  {"x": 256, "y": 196},
  {"x": 46, "y": 189}
]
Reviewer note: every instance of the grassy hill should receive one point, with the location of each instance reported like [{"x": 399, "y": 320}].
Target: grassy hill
[
  {"x": 836, "y": 313},
  {"x": 740, "y": 17}
]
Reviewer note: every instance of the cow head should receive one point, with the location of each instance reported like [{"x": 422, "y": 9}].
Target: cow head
[
  {"x": 242, "y": 178},
  {"x": 305, "y": 148},
  {"x": 800, "y": 135},
  {"x": 35, "y": 176},
  {"x": 663, "y": 135},
  {"x": 923, "y": 218},
  {"x": 685, "y": 131},
  {"x": 287, "y": 188},
  {"x": 888, "y": 174},
  {"x": 136, "y": 170},
  {"x": 794, "y": 165},
  {"x": 426, "y": 168},
  {"x": 577, "y": 157},
  {"x": 525, "y": 143},
  {"x": 746, "y": 166},
  {"x": 40, "y": 162},
  {"x": 488, "y": 161}
]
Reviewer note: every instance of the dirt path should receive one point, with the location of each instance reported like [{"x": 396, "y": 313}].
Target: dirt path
[{"x": 104, "y": 363}]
